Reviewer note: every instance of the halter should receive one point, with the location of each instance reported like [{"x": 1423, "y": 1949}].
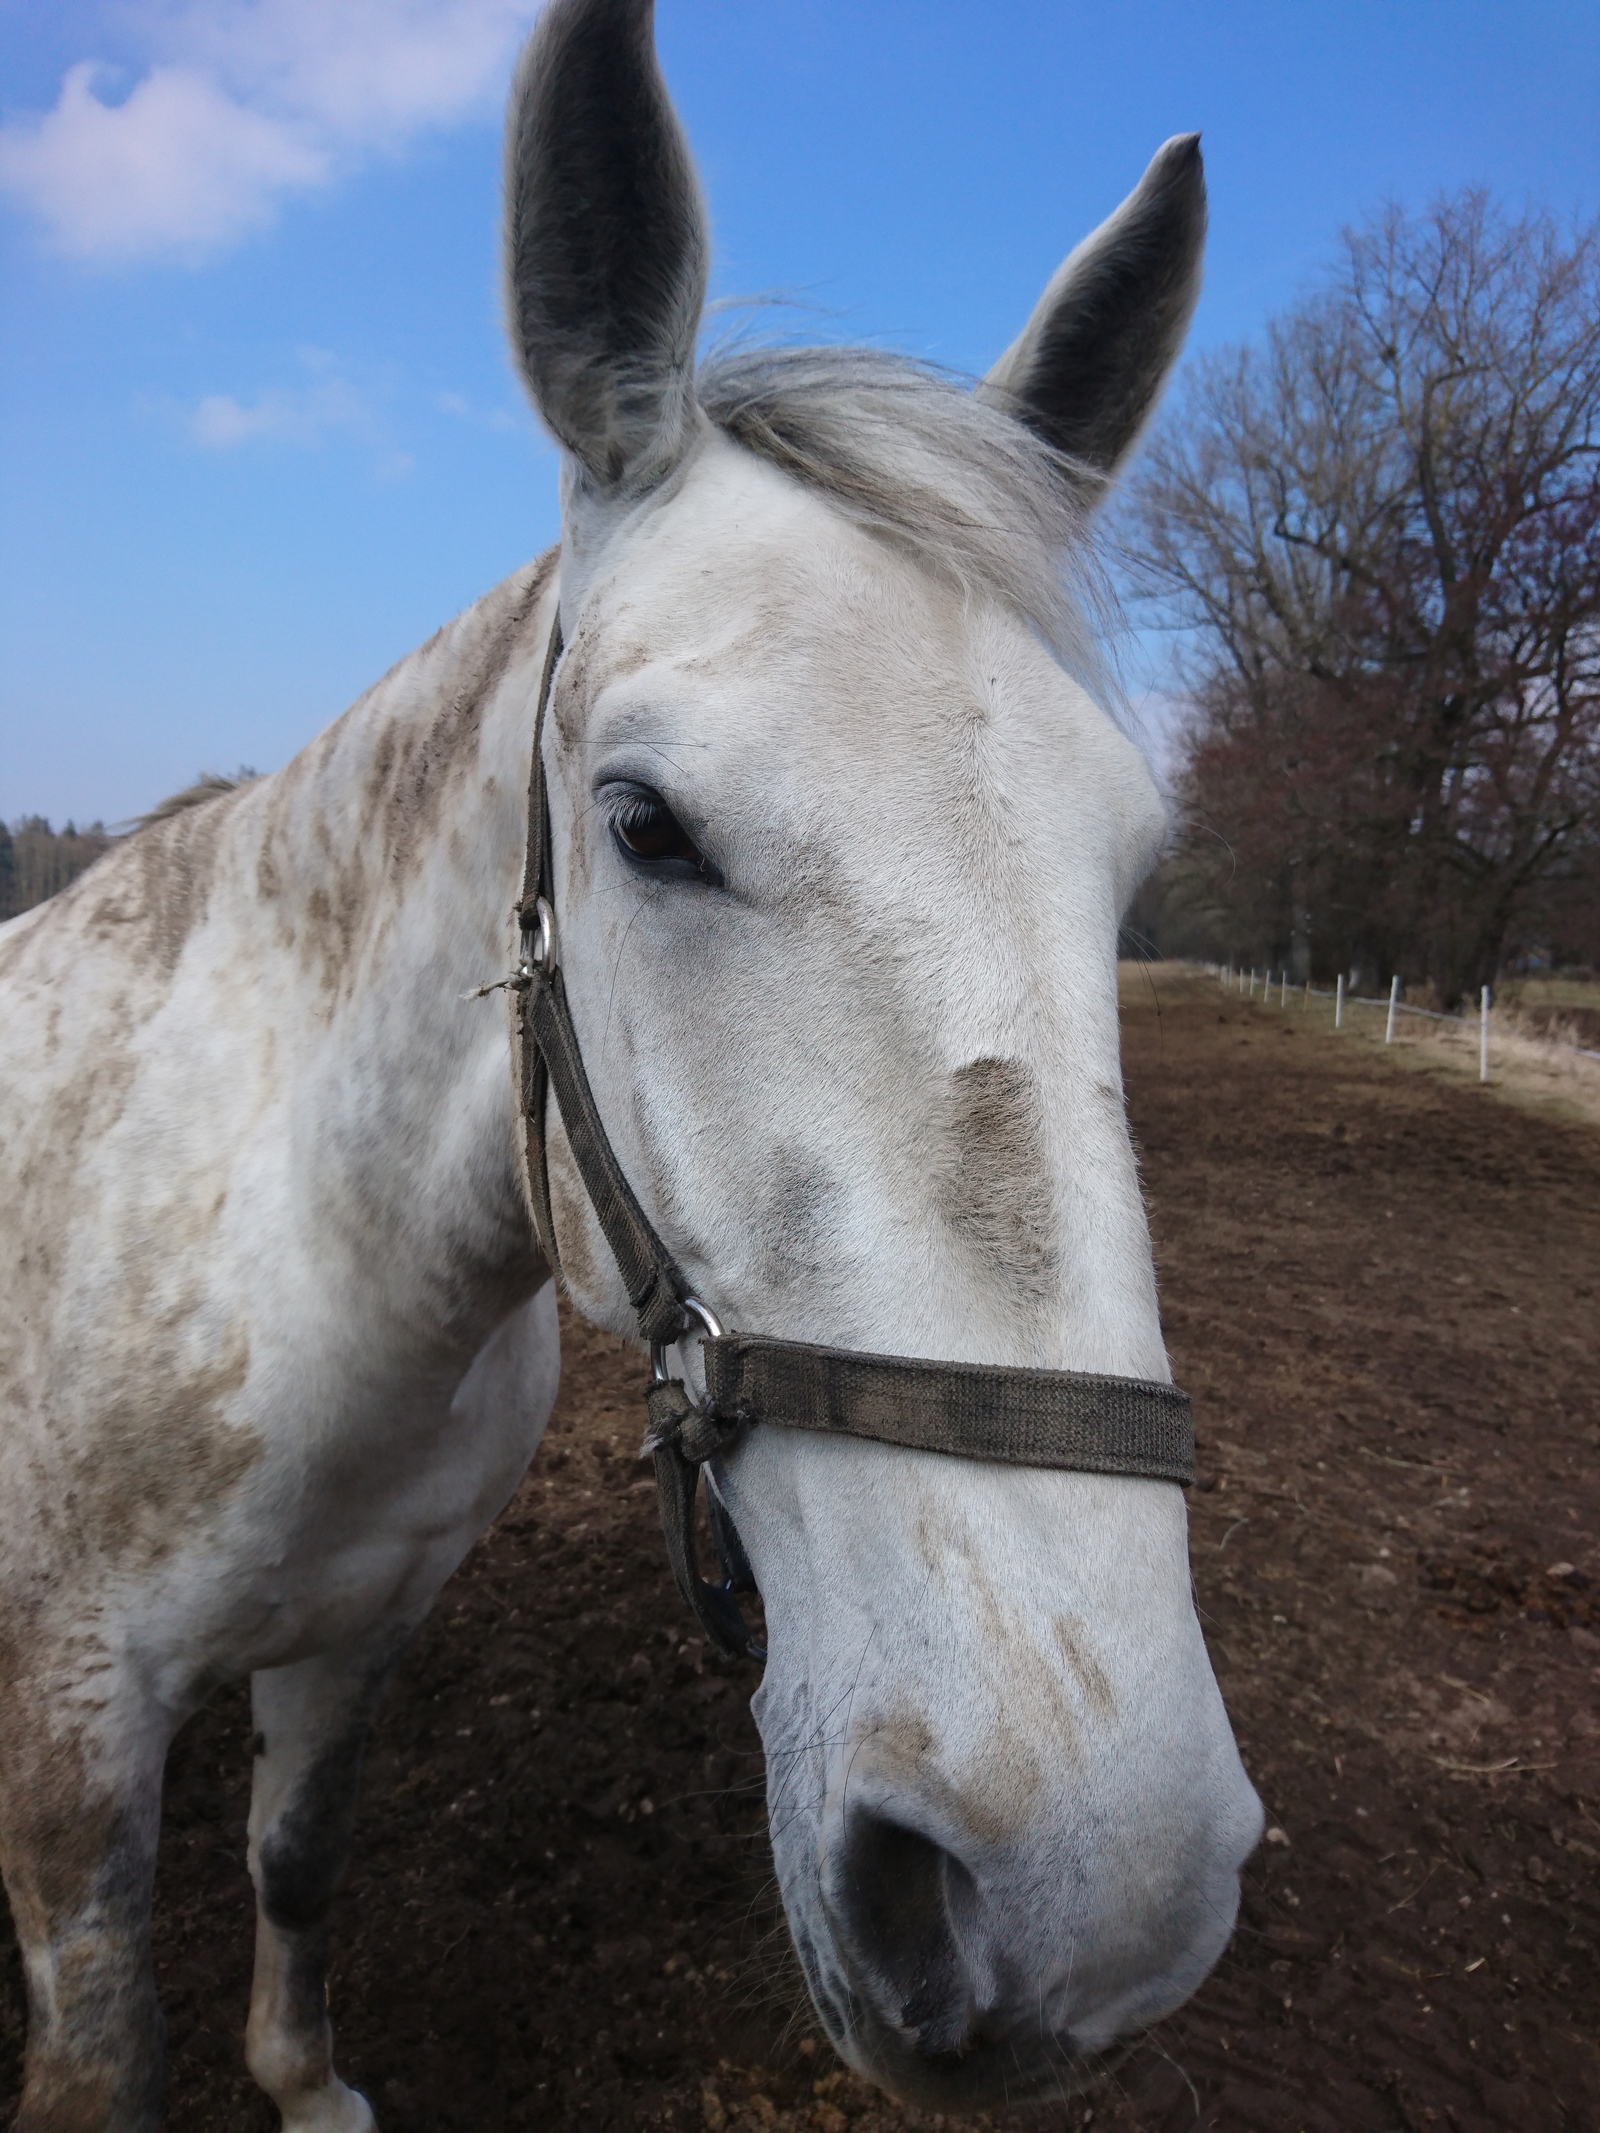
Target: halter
[{"x": 1039, "y": 1418}]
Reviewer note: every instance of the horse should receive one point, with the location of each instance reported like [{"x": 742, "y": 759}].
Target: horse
[{"x": 840, "y": 825}]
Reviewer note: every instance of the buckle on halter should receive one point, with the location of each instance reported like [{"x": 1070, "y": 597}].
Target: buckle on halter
[
  {"x": 676, "y": 1417},
  {"x": 710, "y": 1326},
  {"x": 540, "y": 922}
]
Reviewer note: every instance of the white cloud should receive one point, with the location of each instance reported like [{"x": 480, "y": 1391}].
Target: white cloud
[
  {"x": 279, "y": 414},
  {"x": 489, "y": 418},
  {"x": 365, "y": 72},
  {"x": 177, "y": 167},
  {"x": 243, "y": 103},
  {"x": 283, "y": 414}
]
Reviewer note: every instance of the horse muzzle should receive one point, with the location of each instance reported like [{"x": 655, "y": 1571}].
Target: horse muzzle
[{"x": 958, "y": 1970}]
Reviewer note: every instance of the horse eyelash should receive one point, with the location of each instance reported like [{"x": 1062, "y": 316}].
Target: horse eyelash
[{"x": 618, "y": 808}]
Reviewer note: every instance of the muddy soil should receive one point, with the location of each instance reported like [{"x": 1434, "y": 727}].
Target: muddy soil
[{"x": 1381, "y": 1288}]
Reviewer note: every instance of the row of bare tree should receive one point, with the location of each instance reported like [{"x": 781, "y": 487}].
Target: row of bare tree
[
  {"x": 36, "y": 860},
  {"x": 1377, "y": 536}
]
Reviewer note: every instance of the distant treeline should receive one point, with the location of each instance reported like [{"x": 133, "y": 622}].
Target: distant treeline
[{"x": 36, "y": 860}]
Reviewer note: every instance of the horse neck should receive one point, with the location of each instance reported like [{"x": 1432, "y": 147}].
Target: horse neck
[{"x": 389, "y": 860}]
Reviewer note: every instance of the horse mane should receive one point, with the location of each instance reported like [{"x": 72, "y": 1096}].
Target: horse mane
[
  {"x": 916, "y": 454},
  {"x": 210, "y": 785}
]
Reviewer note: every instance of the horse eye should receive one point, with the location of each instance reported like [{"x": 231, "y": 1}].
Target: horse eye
[{"x": 647, "y": 829}]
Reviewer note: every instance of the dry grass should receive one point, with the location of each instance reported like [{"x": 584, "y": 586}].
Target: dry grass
[
  {"x": 1532, "y": 1059},
  {"x": 1558, "y": 990}
]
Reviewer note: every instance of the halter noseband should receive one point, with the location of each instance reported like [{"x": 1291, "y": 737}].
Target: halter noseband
[{"x": 1040, "y": 1418}]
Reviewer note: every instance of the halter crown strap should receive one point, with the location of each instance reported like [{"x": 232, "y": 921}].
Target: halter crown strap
[{"x": 1063, "y": 1419}]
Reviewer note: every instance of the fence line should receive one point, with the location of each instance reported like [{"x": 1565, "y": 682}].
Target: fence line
[{"x": 1393, "y": 1005}]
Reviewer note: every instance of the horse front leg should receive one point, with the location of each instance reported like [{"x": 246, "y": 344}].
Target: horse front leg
[
  {"x": 311, "y": 1733},
  {"x": 80, "y": 1816}
]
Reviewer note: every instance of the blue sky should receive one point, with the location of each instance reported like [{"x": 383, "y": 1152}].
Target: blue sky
[{"x": 259, "y": 432}]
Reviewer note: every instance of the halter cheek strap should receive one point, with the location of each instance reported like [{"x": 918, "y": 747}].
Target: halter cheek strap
[{"x": 1063, "y": 1419}]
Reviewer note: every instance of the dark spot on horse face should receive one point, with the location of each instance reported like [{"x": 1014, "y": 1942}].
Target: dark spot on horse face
[
  {"x": 992, "y": 1184},
  {"x": 1091, "y": 1676},
  {"x": 595, "y": 658},
  {"x": 902, "y": 1741},
  {"x": 802, "y": 1202}
]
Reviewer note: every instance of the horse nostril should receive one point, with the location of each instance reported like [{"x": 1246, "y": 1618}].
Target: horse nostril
[{"x": 898, "y": 1897}]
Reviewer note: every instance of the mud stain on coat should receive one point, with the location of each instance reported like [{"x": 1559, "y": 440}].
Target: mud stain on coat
[
  {"x": 162, "y": 1459},
  {"x": 991, "y": 1183}
]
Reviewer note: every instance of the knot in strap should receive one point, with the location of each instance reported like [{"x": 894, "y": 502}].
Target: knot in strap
[
  {"x": 695, "y": 1433},
  {"x": 669, "y": 1406}
]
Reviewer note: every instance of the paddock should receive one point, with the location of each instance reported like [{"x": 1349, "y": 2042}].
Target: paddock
[{"x": 1380, "y": 1283}]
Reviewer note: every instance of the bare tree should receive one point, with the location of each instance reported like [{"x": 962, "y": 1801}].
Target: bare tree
[{"x": 1380, "y": 535}]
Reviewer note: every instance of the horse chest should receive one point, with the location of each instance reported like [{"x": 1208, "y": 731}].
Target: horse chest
[{"x": 360, "y": 1511}]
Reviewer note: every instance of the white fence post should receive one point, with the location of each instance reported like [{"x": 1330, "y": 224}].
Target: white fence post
[
  {"x": 1283, "y": 991},
  {"x": 1483, "y": 1035},
  {"x": 1338, "y": 1003},
  {"x": 1394, "y": 1002}
]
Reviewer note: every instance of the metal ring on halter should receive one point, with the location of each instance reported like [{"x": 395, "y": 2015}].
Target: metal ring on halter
[
  {"x": 542, "y": 955},
  {"x": 710, "y": 1326}
]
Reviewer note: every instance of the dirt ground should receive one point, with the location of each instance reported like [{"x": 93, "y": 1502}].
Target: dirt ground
[{"x": 1380, "y": 1285}]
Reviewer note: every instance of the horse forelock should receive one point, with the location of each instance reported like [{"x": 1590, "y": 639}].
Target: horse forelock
[{"x": 910, "y": 452}]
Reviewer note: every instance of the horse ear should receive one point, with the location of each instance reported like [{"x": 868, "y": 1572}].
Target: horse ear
[
  {"x": 605, "y": 245},
  {"x": 1087, "y": 368}
]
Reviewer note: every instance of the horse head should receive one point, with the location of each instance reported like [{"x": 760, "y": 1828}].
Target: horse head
[{"x": 841, "y": 831}]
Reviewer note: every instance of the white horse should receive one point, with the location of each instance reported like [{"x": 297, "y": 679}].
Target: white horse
[{"x": 841, "y": 836}]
